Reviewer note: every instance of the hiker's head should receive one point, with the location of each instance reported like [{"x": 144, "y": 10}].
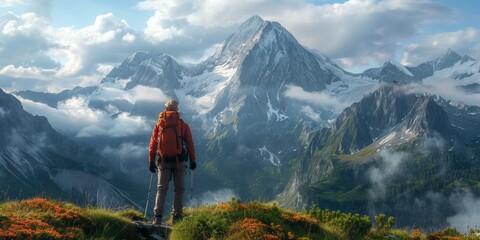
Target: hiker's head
[{"x": 171, "y": 105}]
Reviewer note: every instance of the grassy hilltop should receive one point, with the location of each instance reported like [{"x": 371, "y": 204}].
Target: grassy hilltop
[{"x": 40, "y": 218}]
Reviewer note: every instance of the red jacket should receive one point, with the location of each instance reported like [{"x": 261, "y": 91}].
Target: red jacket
[{"x": 187, "y": 139}]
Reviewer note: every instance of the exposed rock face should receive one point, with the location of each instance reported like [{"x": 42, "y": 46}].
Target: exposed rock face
[
  {"x": 148, "y": 231},
  {"x": 378, "y": 113},
  {"x": 426, "y": 137}
]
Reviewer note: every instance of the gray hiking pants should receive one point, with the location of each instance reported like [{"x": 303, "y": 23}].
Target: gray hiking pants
[{"x": 166, "y": 172}]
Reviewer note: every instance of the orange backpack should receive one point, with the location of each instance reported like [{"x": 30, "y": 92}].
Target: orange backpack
[{"x": 170, "y": 142}]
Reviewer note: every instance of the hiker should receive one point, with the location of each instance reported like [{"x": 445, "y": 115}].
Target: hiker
[{"x": 167, "y": 153}]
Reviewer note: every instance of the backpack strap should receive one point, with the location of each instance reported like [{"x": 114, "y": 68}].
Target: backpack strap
[{"x": 162, "y": 115}]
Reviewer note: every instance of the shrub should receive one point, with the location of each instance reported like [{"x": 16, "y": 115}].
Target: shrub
[
  {"x": 351, "y": 226},
  {"x": 383, "y": 224},
  {"x": 446, "y": 234}
]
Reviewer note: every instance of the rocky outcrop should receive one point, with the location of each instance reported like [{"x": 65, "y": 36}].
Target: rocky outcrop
[{"x": 147, "y": 231}]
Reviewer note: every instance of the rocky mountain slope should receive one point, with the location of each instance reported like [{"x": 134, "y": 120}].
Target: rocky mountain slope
[
  {"x": 387, "y": 151},
  {"x": 36, "y": 160}
]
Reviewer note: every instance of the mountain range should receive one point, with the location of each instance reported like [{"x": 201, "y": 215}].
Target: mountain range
[{"x": 273, "y": 119}]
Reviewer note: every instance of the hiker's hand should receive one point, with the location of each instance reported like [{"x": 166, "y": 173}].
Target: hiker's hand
[
  {"x": 152, "y": 167},
  {"x": 193, "y": 165}
]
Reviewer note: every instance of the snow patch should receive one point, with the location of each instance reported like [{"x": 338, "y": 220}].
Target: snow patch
[
  {"x": 201, "y": 91},
  {"x": 400, "y": 67},
  {"x": 388, "y": 138},
  {"x": 453, "y": 125},
  {"x": 270, "y": 156},
  {"x": 272, "y": 111}
]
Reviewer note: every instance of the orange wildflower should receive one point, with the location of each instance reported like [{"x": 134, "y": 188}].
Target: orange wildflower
[{"x": 269, "y": 236}]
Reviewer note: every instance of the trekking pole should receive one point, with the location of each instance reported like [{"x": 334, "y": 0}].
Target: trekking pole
[
  {"x": 148, "y": 197},
  {"x": 191, "y": 184}
]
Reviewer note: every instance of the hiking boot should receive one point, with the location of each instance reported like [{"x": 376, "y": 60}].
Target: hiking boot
[
  {"x": 177, "y": 219},
  {"x": 157, "y": 220}
]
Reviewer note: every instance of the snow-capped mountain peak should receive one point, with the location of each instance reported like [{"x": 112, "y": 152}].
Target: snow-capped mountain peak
[
  {"x": 447, "y": 60},
  {"x": 399, "y": 66},
  {"x": 253, "y": 31}
]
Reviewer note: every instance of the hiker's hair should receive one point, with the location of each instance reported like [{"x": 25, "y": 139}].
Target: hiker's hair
[{"x": 171, "y": 105}]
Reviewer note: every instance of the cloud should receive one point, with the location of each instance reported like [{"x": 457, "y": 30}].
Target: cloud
[
  {"x": 107, "y": 41},
  {"x": 143, "y": 93},
  {"x": 446, "y": 87},
  {"x": 10, "y": 3},
  {"x": 130, "y": 156},
  {"x": 30, "y": 45},
  {"x": 2, "y": 112},
  {"x": 468, "y": 211},
  {"x": 75, "y": 117},
  {"x": 379, "y": 175},
  {"x": 212, "y": 197},
  {"x": 27, "y": 72},
  {"x": 361, "y": 32},
  {"x": 41, "y": 7},
  {"x": 126, "y": 150},
  {"x": 315, "y": 98},
  {"x": 24, "y": 40},
  {"x": 311, "y": 113},
  {"x": 465, "y": 41}
]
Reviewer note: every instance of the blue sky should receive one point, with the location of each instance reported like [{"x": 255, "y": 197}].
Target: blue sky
[{"x": 56, "y": 44}]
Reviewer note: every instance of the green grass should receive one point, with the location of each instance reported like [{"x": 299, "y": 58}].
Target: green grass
[
  {"x": 110, "y": 225},
  {"x": 365, "y": 152}
]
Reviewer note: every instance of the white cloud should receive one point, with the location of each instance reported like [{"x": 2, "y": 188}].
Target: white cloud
[
  {"x": 143, "y": 93},
  {"x": 25, "y": 40},
  {"x": 157, "y": 33},
  {"x": 107, "y": 41},
  {"x": 31, "y": 46},
  {"x": 212, "y": 197},
  {"x": 316, "y": 98},
  {"x": 379, "y": 175},
  {"x": 138, "y": 93},
  {"x": 10, "y": 3},
  {"x": 2, "y": 112},
  {"x": 447, "y": 88},
  {"x": 465, "y": 41},
  {"x": 126, "y": 150},
  {"x": 311, "y": 113},
  {"x": 75, "y": 117},
  {"x": 27, "y": 72},
  {"x": 361, "y": 32},
  {"x": 468, "y": 211}
]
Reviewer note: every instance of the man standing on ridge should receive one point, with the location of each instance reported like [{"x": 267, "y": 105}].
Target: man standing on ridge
[{"x": 167, "y": 153}]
